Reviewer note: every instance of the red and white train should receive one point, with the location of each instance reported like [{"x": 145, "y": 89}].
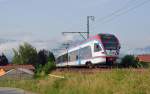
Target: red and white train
[{"x": 99, "y": 49}]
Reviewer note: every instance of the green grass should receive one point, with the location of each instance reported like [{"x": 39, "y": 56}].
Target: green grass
[{"x": 117, "y": 81}]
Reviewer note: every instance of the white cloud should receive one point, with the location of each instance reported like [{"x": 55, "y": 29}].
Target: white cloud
[
  {"x": 8, "y": 46},
  {"x": 39, "y": 44},
  {"x": 67, "y": 38}
]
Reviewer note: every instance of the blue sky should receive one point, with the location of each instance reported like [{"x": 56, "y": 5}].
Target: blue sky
[{"x": 41, "y": 21}]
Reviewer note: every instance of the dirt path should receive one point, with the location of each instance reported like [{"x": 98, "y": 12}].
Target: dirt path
[{"x": 13, "y": 91}]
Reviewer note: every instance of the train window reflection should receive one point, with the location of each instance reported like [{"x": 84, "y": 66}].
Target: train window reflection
[{"x": 97, "y": 47}]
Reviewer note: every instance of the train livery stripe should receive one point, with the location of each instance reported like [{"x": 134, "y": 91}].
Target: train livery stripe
[{"x": 79, "y": 60}]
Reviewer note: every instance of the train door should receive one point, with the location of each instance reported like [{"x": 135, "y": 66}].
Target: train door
[{"x": 78, "y": 57}]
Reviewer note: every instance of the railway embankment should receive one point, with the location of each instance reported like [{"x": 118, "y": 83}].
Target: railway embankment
[{"x": 107, "y": 81}]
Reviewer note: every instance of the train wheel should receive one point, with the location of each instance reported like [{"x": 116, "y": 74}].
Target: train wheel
[{"x": 89, "y": 65}]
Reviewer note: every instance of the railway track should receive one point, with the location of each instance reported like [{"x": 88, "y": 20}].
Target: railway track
[
  {"x": 86, "y": 70},
  {"x": 96, "y": 69}
]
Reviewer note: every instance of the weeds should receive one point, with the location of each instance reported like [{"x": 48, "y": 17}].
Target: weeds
[{"x": 117, "y": 81}]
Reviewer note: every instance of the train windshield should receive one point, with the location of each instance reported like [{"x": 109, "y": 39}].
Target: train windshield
[{"x": 110, "y": 42}]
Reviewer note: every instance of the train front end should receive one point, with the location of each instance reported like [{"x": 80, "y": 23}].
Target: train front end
[{"x": 111, "y": 47}]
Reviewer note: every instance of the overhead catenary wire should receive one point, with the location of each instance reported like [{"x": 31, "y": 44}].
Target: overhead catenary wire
[
  {"x": 128, "y": 4},
  {"x": 113, "y": 15},
  {"x": 121, "y": 12},
  {"x": 125, "y": 12},
  {"x": 107, "y": 16}
]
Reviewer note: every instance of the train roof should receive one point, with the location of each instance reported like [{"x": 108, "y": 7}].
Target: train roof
[{"x": 96, "y": 37}]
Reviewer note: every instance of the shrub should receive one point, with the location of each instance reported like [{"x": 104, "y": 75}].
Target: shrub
[
  {"x": 38, "y": 70},
  {"x": 130, "y": 61},
  {"x": 49, "y": 66},
  {"x": 145, "y": 64},
  {"x": 44, "y": 70},
  {"x": 45, "y": 63}
]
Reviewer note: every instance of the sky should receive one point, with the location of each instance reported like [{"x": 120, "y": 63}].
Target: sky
[{"x": 40, "y": 22}]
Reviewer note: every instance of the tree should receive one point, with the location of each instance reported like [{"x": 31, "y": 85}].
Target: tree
[
  {"x": 51, "y": 56},
  {"x": 26, "y": 54},
  {"x": 44, "y": 56},
  {"x": 3, "y": 60}
]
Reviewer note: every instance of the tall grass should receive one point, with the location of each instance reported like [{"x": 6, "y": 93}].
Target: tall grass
[{"x": 117, "y": 81}]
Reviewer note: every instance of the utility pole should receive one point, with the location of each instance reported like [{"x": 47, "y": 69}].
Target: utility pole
[
  {"x": 88, "y": 24},
  {"x": 67, "y": 47},
  {"x": 88, "y": 28}
]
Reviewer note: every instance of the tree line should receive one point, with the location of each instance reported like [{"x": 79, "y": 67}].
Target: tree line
[{"x": 42, "y": 60}]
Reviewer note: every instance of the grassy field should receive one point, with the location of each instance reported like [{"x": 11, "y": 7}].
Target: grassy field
[{"x": 116, "y": 81}]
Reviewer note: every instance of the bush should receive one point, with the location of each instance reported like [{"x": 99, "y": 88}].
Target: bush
[
  {"x": 49, "y": 67},
  {"x": 145, "y": 64},
  {"x": 45, "y": 63},
  {"x": 44, "y": 70},
  {"x": 130, "y": 61},
  {"x": 38, "y": 70}
]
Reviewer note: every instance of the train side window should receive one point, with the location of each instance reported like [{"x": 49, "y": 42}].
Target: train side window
[
  {"x": 85, "y": 53},
  {"x": 97, "y": 47},
  {"x": 77, "y": 57},
  {"x": 73, "y": 55}
]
